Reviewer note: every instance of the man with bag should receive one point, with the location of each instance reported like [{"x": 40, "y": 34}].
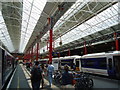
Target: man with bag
[{"x": 36, "y": 76}]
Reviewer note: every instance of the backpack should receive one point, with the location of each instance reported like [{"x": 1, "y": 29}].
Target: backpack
[{"x": 36, "y": 74}]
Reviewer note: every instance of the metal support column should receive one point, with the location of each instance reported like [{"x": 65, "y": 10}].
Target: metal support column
[
  {"x": 37, "y": 50},
  {"x": 68, "y": 52},
  {"x": 116, "y": 42},
  {"x": 58, "y": 54},
  {"x": 29, "y": 56},
  {"x": 50, "y": 40},
  {"x": 50, "y": 49},
  {"x": 32, "y": 54},
  {"x": 47, "y": 45},
  {"x": 85, "y": 48}
]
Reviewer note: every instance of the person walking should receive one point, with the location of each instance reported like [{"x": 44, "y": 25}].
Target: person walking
[
  {"x": 50, "y": 71},
  {"x": 36, "y": 76},
  {"x": 43, "y": 74}
]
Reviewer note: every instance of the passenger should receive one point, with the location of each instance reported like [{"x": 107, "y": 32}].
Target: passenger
[
  {"x": 43, "y": 74},
  {"x": 50, "y": 71},
  {"x": 74, "y": 66},
  {"x": 36, "y": 76},
  {"x": 67, "y": 78}
]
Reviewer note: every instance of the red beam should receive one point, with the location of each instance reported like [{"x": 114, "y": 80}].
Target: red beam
[
  {"x": 32, "y": 54},
  {"x": 37, "y": 51},
  {"x": 47, "y": 45},
  {"x": 116, "y": 42},
  {"x": 50, "y": 41},
  {"x": 68, "y": 52},
  {"x": 85, "y": 48},
  {"x": 29, "y": 55},
  {"x": 39, "y": 48},
  {"x": 50, "y": 47},
  {"x": 58, "y": 54}
]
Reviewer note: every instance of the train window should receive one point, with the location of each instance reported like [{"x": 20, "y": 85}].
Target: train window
[
  {"x": 90, "y": 63},
  {"x": 102, "y": 63},
  {"x": 55, "y": 62},
  {"x": 87, "y": 63},
  {"x": 67, "y": 61},
  {"x": 83, "y": 63},
  {"x": 117, "y": 65},
  {"x": 77, "y": 63},
  {"x": 110, "y": 63}
]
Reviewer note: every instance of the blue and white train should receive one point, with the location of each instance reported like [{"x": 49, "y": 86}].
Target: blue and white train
[
  {"x": 71, "y": 61},
  {"x": 106, "y": 64},
  {"x": 60, "y": 62}
]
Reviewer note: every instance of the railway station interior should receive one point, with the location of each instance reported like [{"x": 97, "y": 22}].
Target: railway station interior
[{"x": 74, "y": 43}]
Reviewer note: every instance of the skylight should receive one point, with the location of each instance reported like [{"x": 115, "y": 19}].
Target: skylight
[
  {"x": 32, "y": 10},
  {"x": 74, "y": 8},
  {"x": 4, "y": 35},
  {"x": 103, "y": 20}
]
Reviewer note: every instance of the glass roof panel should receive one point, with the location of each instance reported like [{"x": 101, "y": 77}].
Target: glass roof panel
[
  {"x": 4, "y": 35},
  {"x": 32, "y": 10},
  {"x": 98, "y": 25},
  {"x": 73, "y": 9},
  {"x": 103, "y": 20}
]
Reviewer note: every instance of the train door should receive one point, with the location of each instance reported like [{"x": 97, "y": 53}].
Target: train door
[
  {"x": 55, "y": 64},
  {"x": 117, "y": 66},
  {"x": 110, "y": 66},
  {"x": 78, "y": 64}
]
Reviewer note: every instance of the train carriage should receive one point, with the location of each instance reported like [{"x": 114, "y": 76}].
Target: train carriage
[
  {"x": 107, "y": 64},
  {"x": 55, "y": 62},
  {"x": 71, "y": 61},
  {"x": 8, "y": 64},
  {"x": 43, "y": 61}
]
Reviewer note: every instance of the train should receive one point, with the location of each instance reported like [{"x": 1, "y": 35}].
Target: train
[
  {"x": 103, "y": 64},
  {"x": 61, "y": 61},
  {"x": 7, "y": 66},
  {"x": 107, "y": 64}
]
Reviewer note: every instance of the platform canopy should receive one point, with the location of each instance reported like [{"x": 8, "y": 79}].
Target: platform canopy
[
  {"x": 23, "y": 23},
  {"x": 87, "y": 21}
]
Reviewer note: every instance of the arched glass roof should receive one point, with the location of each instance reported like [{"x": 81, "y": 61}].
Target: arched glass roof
[
  {"x": 32, "y": 10},
  {"x": 101, "y": 21},
  {"x": 22, "y": 22},
  {"x": 4, "y": 35}
]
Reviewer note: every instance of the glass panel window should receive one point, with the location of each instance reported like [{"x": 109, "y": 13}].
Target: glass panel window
[
  {"x": 4, "y": 35},
  {"x": 102, "y": 63},
  {"x": 32, "y": 10},
  {"x": 101, "y": 21},
  {"x": 110, "y": 63}
]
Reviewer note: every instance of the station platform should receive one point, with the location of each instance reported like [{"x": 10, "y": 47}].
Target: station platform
[
  {"x": 18, "y": 79},
  {"x": 21, "y": 80}
]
